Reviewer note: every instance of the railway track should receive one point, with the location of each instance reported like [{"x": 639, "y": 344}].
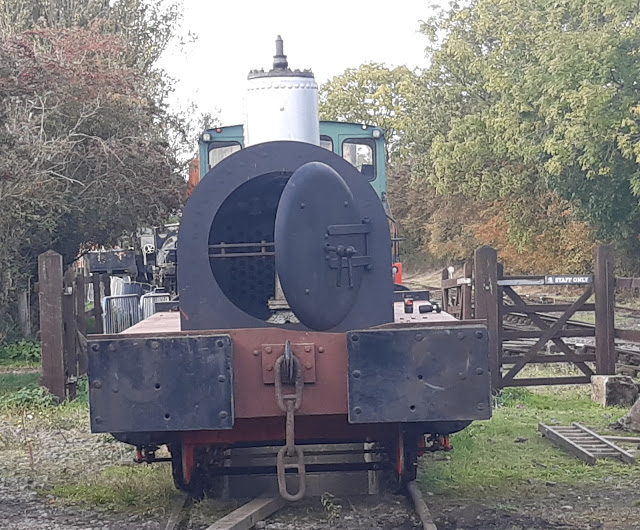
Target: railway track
[
  {"x": 628, "y": 353},
  {"x": 520, "y": 321},
  {"x": 253, "y": 513}
]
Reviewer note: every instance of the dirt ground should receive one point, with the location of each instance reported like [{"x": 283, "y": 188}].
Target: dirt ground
[
  {"x": 38, "y": 452},
  {"x": 27, "y": 504},
  {"x": 609, "y": 508},
  {"x": 613, "y": 507}
]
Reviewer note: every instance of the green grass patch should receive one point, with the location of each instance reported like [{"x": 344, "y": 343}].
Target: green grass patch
[
  {"x": 144, "y": 489},
  {"x": 18, "y": 366},
  {"x": 21, "y": 391},
  {"x": 12, "y": 381},
  {"x": 29, "y": 397},
  {"x": 507, "y": 454}
]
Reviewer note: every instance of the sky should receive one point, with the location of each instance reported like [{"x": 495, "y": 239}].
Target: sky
[{"x": 328, "y": 36}]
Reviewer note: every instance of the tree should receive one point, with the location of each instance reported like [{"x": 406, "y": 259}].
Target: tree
[
  {"x": 88, "y": 150},
  {"x": 551, "y": 104},
  {"x": 372, "y": 94}
]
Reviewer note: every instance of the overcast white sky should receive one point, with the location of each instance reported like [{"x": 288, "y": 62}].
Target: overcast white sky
[{"x": 327, "y": 36}]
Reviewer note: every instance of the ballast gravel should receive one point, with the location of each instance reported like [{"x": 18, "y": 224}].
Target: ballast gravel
[{"x": 38, "y": 450}]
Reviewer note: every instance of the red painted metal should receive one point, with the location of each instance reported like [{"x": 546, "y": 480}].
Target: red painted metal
[
  {"x": 187, "y": 462},
  {"x": 328, "y": 429},
  {"x": 397, "y": 278},
  {"x": 258, "y": 419},
  {"x": 306, "y": 353},
  {"x": 255, "y": 399}
]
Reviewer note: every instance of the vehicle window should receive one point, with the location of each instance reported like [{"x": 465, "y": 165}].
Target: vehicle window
[
  {"x": 218, "y": 151},
  {"x": 360, "y": 152},
  {"x": 326, "y": 143}
]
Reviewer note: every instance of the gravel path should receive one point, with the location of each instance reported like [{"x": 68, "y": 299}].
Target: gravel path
[
  {"x": 39, "y": 451},
  {"x": 22, "y": 508}
]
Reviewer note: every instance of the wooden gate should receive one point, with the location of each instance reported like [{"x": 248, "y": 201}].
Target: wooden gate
[
  {"x": 63, "y": 322},
  {"x": 511, "y": 349}
]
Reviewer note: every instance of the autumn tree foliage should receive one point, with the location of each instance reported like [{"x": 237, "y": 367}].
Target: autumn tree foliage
[
  {"x": 551, "y": 118},
  {"x": 85, "y": 153},
  {"x": 523, "y": 133}
]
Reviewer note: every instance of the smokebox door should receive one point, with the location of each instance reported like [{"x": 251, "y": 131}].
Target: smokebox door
[{"x": 321, "y": 246}]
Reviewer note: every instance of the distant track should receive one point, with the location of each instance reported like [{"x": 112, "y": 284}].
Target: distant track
[{"x": 628, "y": 353}]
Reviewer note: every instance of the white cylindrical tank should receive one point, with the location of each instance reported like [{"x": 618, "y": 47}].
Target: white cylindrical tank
[{"x": 281, "y": 104}]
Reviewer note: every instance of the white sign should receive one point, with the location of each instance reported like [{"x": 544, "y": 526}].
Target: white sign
[{"x": 567, "y": 280}]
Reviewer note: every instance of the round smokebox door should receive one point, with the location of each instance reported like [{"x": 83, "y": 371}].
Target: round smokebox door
[{"x": 321, "y": 246}]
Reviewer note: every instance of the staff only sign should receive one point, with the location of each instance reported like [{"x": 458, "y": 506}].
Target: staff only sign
[{"x": 568, "y": 280}]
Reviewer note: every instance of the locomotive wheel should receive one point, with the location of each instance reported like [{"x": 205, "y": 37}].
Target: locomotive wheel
[
  {"x": 403, "y": 454},
  {"x": 204, "y": 480}
]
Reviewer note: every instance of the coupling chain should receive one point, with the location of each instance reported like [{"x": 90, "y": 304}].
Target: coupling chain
[{"x": 290, "y": 403}]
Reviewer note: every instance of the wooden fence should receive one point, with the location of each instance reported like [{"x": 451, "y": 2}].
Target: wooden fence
[
  {"x": 485, "y": 292},
  {"x": 63, "y": 322},
  {"x": 457, "y": 299},
  {"x": 482, "y": 292}
]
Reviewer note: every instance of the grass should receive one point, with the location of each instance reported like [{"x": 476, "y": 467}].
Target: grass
[
  {"x": 8, "y": 365},
  {"x": 11, "y": 381},
  {"x": 495, "y": 460},
  {"x": 142, "y": 489},
  {"x": 20, "y": 391},
  {"x": 19, "y": 356},
  {"x": 507, "y": 454}
]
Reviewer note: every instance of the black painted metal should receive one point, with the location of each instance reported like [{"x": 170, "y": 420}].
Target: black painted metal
[
  {"x": 321, "y": 246},
  {"x": 309, "y": 468},
  {"x": 280, "y": 66},
  {"x": 113, "y": 262},
  {"x": 237, "y": 202},
  {"x": 431, "y": 374},
  {"x": 161, "y": 384},
  {"x": 417, "y": 296}
]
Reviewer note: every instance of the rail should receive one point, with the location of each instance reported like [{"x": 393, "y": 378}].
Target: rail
[{"x": 260, "y": 508}]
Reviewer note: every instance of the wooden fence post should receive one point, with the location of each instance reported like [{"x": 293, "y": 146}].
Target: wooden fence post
[
  {"x": 604, "y": 284},
  {"x": 97, "y": 302},
  {"x": 467, "y": 296},
  {"x": 106, "y": 283},
  {"x": 444, "y": 292},
  {"x": 487, "y": 301},
  {"x": 70, "y": 339},
  {"x": 51, "y": 330},
  {"x": 24, "y": 312},
  {"x": 81, "y": 322}
]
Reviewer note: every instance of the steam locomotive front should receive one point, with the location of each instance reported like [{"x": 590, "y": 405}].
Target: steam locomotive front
[{"x": 285, "y": 333}]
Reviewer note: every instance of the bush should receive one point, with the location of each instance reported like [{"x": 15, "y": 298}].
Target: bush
[
  {"x": 30, "y": 397},
  {"x": 21, "y": 351},
  {"x": 9, "y": 328}
]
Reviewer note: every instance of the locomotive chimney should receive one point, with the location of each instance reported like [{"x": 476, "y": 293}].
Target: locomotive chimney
[
  {"x": 281, "y": 104},
  {"x": 280, "y": 59}
]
